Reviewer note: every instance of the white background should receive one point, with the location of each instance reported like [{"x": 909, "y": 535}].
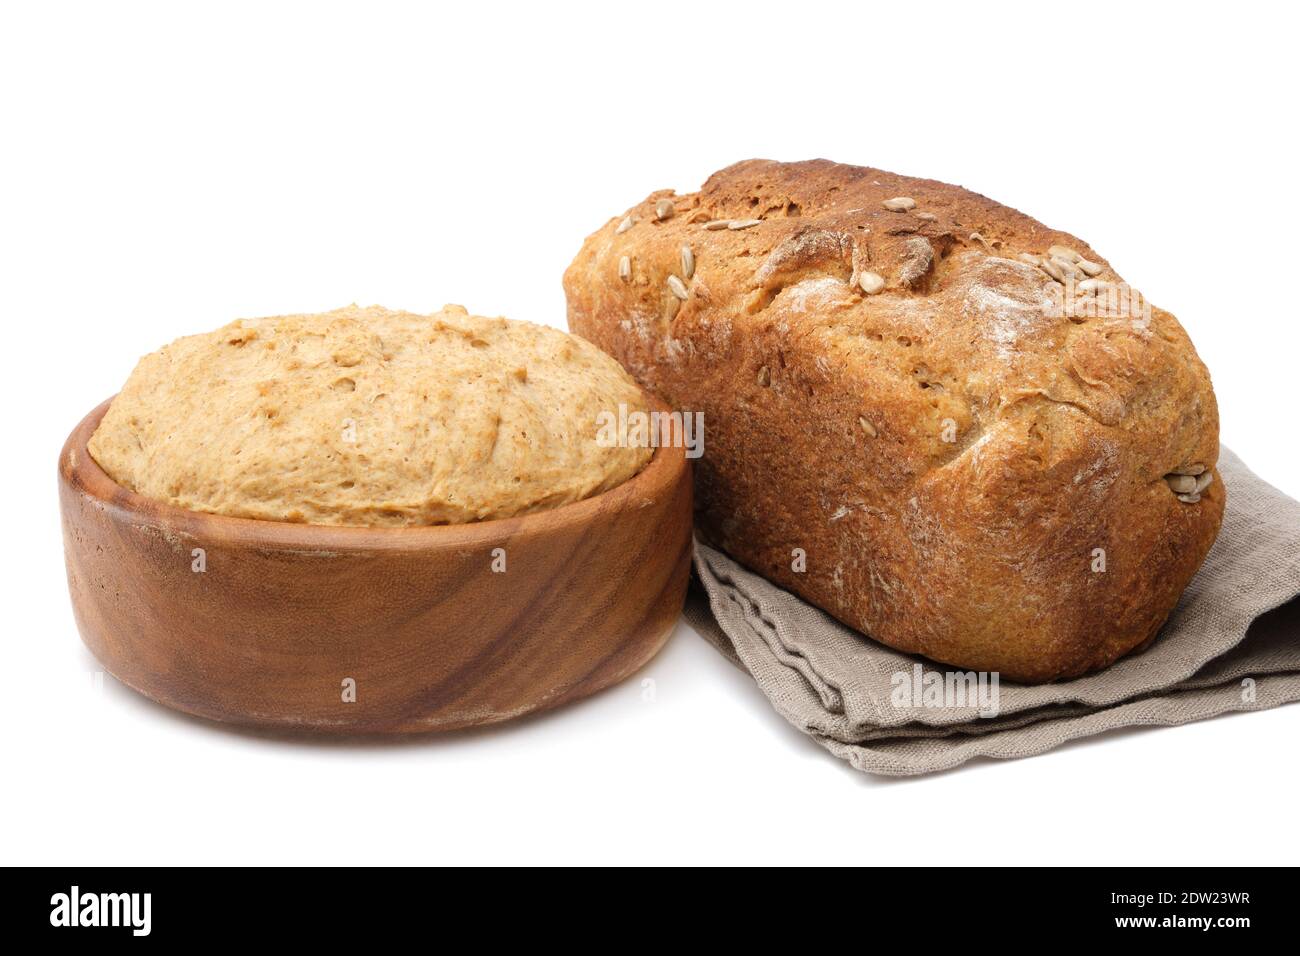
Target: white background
[{"x": 165, "y": 170}]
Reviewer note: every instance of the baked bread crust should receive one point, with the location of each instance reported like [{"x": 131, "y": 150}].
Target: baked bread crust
[{"x": 954, "y": 452}]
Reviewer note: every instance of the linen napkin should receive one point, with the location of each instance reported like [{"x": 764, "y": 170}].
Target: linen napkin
[{"x": 1232, "y": 644}]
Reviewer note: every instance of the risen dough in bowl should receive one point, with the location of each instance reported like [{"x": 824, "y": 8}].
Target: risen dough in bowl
[{"x": 370, "y": 417}]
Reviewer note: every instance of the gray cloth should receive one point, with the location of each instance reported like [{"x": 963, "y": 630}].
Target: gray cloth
[{"x": 1233, "y": 643}]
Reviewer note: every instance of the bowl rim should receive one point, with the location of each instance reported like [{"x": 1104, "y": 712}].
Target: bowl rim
[{"x": 82, "y": 475}]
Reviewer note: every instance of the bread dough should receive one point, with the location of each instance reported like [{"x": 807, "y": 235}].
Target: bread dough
[{"x": 366, "y": 416}]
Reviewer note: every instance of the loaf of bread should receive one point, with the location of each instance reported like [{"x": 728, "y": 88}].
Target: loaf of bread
[
  {"x": 949, "y": 426},
  {"x": 370, "y": 417}
]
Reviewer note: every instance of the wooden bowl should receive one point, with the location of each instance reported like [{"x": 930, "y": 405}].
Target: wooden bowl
[{"x": 373, "y": 630}]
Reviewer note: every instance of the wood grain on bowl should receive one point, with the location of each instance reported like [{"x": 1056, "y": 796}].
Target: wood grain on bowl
[{"x": 373, "y": 630}]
